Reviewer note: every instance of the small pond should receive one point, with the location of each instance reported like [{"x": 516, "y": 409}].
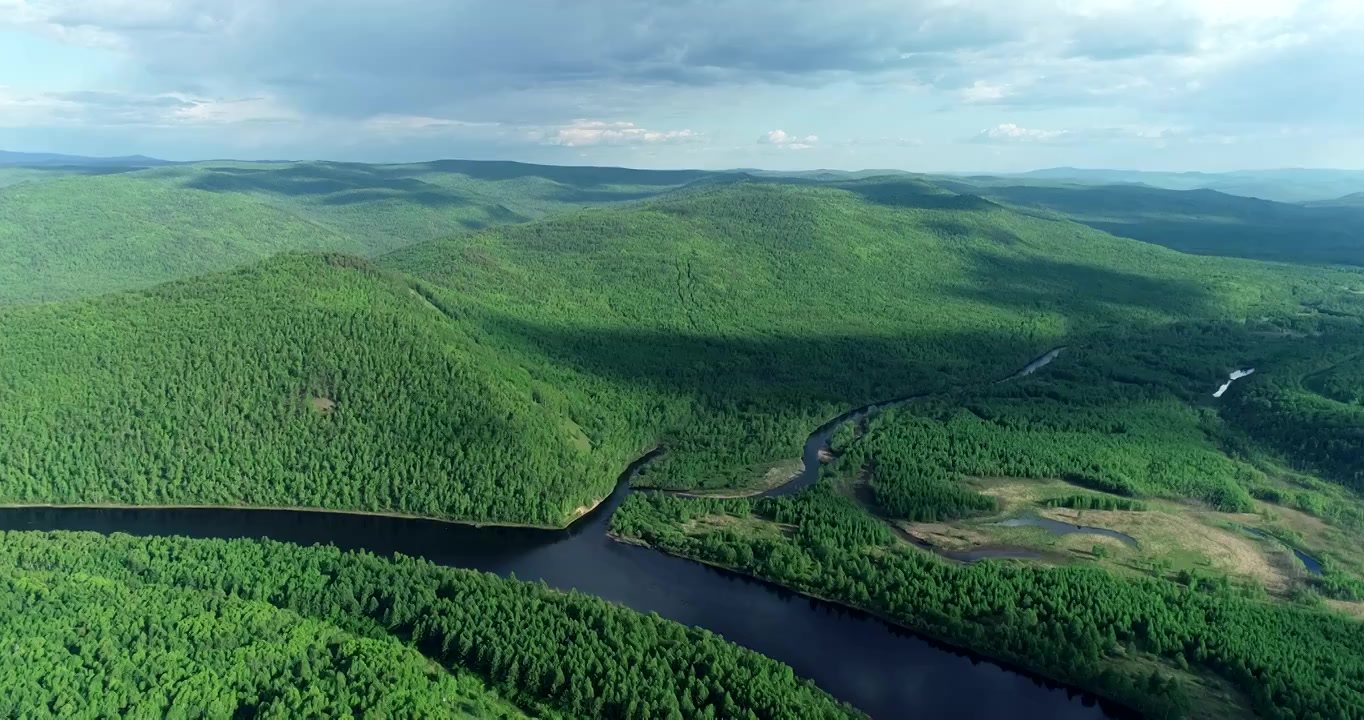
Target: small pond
[{"x": 1063, "y": 528}]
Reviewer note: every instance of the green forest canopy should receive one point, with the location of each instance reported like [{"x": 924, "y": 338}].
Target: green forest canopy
[
  {"x": 124, "y": 626},
  {"x": 93, "y": 232},
  {"x": 508, "y": 375}
]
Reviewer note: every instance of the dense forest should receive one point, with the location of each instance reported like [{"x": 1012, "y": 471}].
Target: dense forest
[
  {"x": 121, "y": 626},
  {"x": 305, "y": 381},
  {"x": 508, "y": 374},
  {"x": 513, "y": 373},
  {"x": 1083, "y": 625},
  {"x": 1130, "y": 414},
  {"x": 137, "y": 228},
  {"x": 736, "y": 317}
]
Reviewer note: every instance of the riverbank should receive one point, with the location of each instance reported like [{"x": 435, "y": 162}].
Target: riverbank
[
  {"x": 1017, "y": 664},
  {"x": 579, "y": 513}
]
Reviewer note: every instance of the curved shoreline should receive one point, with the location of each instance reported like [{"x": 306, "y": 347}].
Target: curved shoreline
[
  {"x": 1112, "y": 706},
  {"x": 581, "y": 514},
  {"x": 286, "y": 508}
]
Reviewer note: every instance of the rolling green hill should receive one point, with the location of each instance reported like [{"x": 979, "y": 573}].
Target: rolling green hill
[
  {"x": 728, "y": 321},
  {"x": 1282, "y": 185},
  {"x": 303, "y": 381},
  {"x": 79, "y": 236},
  {"x": 520, "y": 368},
  {"x": 507, "y": 374},
  {"x": 1204, "y": 222}
]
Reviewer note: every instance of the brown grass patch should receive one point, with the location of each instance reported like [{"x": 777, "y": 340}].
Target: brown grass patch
[
  {"x": 1352, "y": 609},
  {"x": 944, "y": 536},
  {"x": 1175, "y": 535},
  {"x": 323, "y": 405},
  {"x": 775, "y": 476}
]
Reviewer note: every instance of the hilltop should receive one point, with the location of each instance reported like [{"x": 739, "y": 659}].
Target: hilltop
[
  {"x": 1202, "y": 221},
  {"x": 1351, "y": 200},
  {"x": 91, "y": 232},
  {"x": 1282, "y": 185}
]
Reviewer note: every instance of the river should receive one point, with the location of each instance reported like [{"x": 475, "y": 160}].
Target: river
[{"x": 879, "y": 668}]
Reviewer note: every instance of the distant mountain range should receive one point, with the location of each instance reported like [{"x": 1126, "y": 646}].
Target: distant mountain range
[
  {"x": 1283, "y": 185},
  {"x": 24, "y": 159}
]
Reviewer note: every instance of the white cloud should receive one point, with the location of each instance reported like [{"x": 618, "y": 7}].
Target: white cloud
[
  {"x": 1012, "y": 133},
  {"x": 583, "y": 132},
  {"x": 91, "y": 109},
  {"x": 389, "y": 122},
  {"x": 1033, "y": 71},
  {"x": 783, "y": 139},
  {"x": 984, "y": 92}
]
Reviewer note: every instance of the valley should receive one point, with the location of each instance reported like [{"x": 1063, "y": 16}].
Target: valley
[{"x": 390, "y": 369}]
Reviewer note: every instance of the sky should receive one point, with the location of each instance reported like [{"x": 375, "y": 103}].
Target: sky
[{"x": 926, "y": 85}]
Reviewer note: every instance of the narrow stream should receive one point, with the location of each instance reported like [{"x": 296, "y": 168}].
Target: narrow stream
[
  {"x": 881, "y": 669},
  {"x": 1312, "y": 564},
  {"x": 1064, "y": 528}
]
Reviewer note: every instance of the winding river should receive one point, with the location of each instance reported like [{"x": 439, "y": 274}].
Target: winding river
[{"x": 881, "y": 669}]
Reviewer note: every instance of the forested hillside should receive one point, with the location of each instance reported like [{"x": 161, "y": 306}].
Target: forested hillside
[
  {"x": 523, "y": 367},
  {"x": 1282, "y": 185},
  {"x": 733, "y": 319},
  {"x": 86, "y": 235},
  {"x": 121, "y": 627},
  {"x": 1200, "y": 221},
  {"x": 309, "y": 381}
]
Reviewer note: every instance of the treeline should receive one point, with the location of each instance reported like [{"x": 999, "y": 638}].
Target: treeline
[
  {"x": 1095, "y": 502},
  {"x": 1078, "y": 624},
  {"x": 266, "y": 629},
  {"x": 87, "y": 645}
]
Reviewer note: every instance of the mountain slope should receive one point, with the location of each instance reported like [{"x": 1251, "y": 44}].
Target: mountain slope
[
  {"x": 303, "y": 381},
  {"x": 90, "y": 235},
  {"x": 81, "y": 236},
  {"x": 520, "y": 368},
  {"x": 728, "y": 321}
]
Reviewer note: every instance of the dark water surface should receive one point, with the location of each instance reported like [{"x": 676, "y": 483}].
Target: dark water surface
[
  {"x": 1312, "y": 564},
  {"x": 881, "y": 669}
]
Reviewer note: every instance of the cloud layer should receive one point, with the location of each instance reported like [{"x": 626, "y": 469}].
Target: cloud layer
[{"x": 698, "y": 76}]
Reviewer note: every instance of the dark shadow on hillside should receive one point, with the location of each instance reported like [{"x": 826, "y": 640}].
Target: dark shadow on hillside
[
  {"x": 1096, "y": 295},
  {"x": 893, "y": 191},
  {"x": 335, "y": 185},
  {"x": 426, "y": 198},
  {"x": 354, "y": 183},
  {"x": 1203, "y": 222},
  {"x": 580, "y": 176},
  {"x": 912, "y": 193},
  {"x": 957, "y": 229},
  {"x": 757, "y": 372},
  {"x": 849, "y": 369}
]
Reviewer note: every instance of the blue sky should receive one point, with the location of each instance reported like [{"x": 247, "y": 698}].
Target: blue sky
[{"x": 929, "y": 85}]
